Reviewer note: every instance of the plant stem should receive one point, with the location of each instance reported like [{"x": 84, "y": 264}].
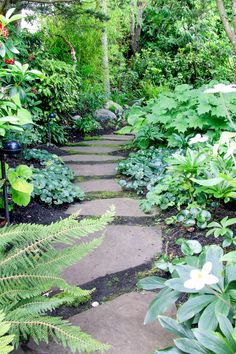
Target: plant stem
[
  {"x": 227, "y": 112},
  {"x": 221, "y": 298}
]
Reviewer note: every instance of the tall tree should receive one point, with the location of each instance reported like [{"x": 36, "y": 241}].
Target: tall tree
[{"x": 105, "y": 54}]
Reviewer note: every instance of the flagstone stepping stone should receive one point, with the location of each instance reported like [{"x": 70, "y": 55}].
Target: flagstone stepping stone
[
  {"x": 117, "y": 137},
  {"x": 91, "y": 158},
  {"x": 103, "y": 142},
  {"x": 124, "y": 207},
  {"x": 107, "y": 169},
  {"x": 100, "y": 185},
  {"x": 90, "y": 149},
  {"x": 119, "y": 323},
  {"x": 124, "y": 247}
]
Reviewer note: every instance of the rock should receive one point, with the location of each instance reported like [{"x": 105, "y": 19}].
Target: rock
[
  {"x": 104, "y": 116},
  {"x": 77, "y": 117},
  {"x": 114, "y": 107}
]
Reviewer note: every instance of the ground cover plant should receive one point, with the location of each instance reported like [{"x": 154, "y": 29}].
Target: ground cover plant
[{"x": 53, "y": 183}]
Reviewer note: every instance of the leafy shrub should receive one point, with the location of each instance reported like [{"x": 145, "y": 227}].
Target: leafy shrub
[
  {"x": 58, "y": 133},
  {"x": 59, "y": 90},
  {"x": 87, "y": 124},
  {"x": 53, "y": 184},
  {"x": 31, "y": 267},
  {"x": 143, "y": 169},
  {"x": 223, "y": 229},
  {"x": 201, "y": 305},
  {"x": 183, "y": 111}
]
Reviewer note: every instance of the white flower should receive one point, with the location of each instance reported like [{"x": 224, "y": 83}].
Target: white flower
[
  {"x": 95, "y": 304},
  {"x": 200, "y": 278},
  {"x": 198, "y": 139},
  {"x": 221, "y": 88}
]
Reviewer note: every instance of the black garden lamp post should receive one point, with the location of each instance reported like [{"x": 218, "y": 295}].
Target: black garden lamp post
[
  {"x": 10, "y": 148},
  {"x": 51, "y": 116}
]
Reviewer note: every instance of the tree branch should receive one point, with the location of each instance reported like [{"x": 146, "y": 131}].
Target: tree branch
[{"x": 227, "y": 27}]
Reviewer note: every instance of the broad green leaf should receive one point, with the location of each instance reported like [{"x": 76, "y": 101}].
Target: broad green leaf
[
  {"x": 208, "y": 182},
  {"x": 212, "y": 341},
  {"x": 24, "y": 171},
  {"x": 171, "y": 350},
  {"x": 193, "y": 306},
  {"x": 190, "y": 346},
  {"x": 20, "y": 198},
  {"x": 227, "y": 330},
  {"x": 214, "y": 254},
  {"x": 164, "y": 299},
  {"x": 9, "y": 13},
  {"x": 151, "y": 283},
  {"x": 208, "y": 320},
  {"x": 21, "y": 185},
  {"x": 174, "y": 327}
]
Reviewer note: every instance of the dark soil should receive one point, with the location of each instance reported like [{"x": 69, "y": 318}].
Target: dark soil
[
  {"x": 75, "y": 136},
  {"x": 171, "y": 233},
  {"x": 107, "y": 288},
  {"x": 37, "y": 212}
]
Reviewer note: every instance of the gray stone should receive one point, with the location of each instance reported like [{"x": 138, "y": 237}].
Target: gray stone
[
  {"x": 117, "y": 137},
  {"x": 104, "y": 115},
  {"x": 104, "y": 142},
  {"x": 124, "y": 247},
  {"x": 77, "y": 117},
  {"x": 107, "y": 169},
  {"x": 114, "y": 107},
  {"x": 91, "y": 158},
  {"x": 120, "y": 324},
  {"x": 91, "y": 149},
  {"x": 100, "y": 185},
  {"x": 124, "y": 207}
]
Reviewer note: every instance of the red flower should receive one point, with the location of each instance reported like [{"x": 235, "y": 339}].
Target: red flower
[
  {"x": 3, "y": 31},
  {"x": 10, "y": 61},
  {"x": 31, "y": 57}
]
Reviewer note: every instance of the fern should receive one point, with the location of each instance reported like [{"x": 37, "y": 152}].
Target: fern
[
  {"x": 31, "y": 264},
  {"x": 5, "y": 340}
]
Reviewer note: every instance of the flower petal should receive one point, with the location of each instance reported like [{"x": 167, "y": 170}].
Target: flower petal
[
  {"x": 199, "y": 284},
  {"x": 206, "y": 269},
  {"x": 189, "y": 284},
  {"x": 195, "y": 273},
  {"x": 211, "y": 279}
]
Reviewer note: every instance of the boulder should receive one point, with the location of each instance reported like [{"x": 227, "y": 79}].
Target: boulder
[
  {"x": 104, "y": 115},
  {"x": 114, "y": 107}
]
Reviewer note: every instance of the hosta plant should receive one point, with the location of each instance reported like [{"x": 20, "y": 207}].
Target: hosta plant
[
  {"x": 30, "y": 267},
  {"x": 191, "y": 217}
]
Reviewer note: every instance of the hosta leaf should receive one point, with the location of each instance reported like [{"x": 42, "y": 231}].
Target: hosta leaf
[
  {"x": 151, "y": 283},
  {"x": 193, "y": 306}
]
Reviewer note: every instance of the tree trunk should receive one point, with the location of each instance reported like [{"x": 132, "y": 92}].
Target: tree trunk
[
  {"x": 137, "y": 9},
  {"x": 230, "y": 31},
  {"x": 105, "y": 54}
]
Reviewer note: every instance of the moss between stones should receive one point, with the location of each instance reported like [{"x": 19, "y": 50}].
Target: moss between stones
[
  {"x": 107, "y": 195},
  {"x": 96, "y": 145}
]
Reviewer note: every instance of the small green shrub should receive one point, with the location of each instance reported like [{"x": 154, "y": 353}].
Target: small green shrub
[{"x": 53, "y": 184}]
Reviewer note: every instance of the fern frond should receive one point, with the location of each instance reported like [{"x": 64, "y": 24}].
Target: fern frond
[
  {"x": 58, "y": 260},
  {"x": 41, "y": 328},
  {"x": 25, "y": 253},
  {"x": 5, "y": 340}
]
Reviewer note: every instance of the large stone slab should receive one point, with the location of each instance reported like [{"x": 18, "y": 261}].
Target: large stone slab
[
  {"x": 120, "y": 324},
  {"x": 123, "y": 206},
  {"x": 124, "y": 247},
  {"x": 91, "y": 158},
  {"x": 90, "y": 149},
  {"x": 107, "y": 169},
  {"x": 117, "y": 137},
  {"x": 100, "y": 185},
  {"x": 104, "y": 142}
]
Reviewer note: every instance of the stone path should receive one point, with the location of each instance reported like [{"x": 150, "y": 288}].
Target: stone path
[{"x": 127, "y": 244}]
